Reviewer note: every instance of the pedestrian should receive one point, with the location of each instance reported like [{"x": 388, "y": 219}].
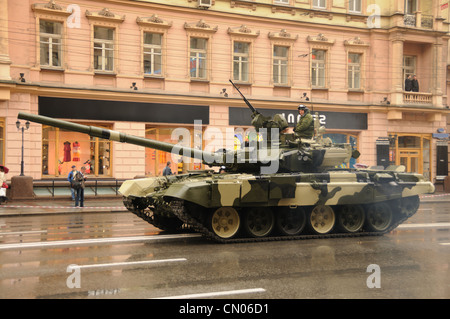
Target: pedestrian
[
  {"x": 167, "y": 170},
  {"x": 408, "y": 83},
  {"x": 3, "y": 186},
  {"x": 415, "y": 84},
  {"x": 70, "y": 178},
  {"x": 305, "y": 126},
  {"x": 79, "y": 185}
]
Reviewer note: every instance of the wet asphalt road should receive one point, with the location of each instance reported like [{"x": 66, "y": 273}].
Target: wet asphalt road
[{"x": 116, "y": 255}]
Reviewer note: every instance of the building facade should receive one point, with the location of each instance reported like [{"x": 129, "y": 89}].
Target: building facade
[{"x": 154, "y": 68}]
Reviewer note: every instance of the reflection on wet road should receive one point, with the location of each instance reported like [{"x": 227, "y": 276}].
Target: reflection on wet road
[{"x": 117, "y": 255}]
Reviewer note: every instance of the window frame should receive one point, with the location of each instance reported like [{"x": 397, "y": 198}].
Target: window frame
[
  {"x": 197, "y": 58},
  {"x": 351, "y": 70},
  {"x": 153, "y": 54},
  {"x": 316, "y": 4},
  {"x": 277, "y": 62},
  {"x": 50, "y": 44},
  {"x": 103, "y": 49},
  {"x": 240, "y": 61},
  {"x": 319, "y": 65}
]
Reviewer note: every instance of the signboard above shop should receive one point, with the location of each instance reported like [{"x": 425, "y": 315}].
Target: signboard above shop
[
  {"x": 80, "y": 109},
  {"x": 331, "y": 120}
]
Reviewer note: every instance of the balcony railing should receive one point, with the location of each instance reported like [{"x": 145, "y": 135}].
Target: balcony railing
[
  {"x": 418, "y": 20},
  {"x": 417, "y": 98}
]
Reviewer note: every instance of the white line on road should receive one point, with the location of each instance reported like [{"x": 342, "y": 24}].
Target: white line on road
[
  {"x": 93, "y": 241},
  {"x": 215, "y": 294},
  {"x": 444, "y": 244},
  {"x": 24, "y": 232},
  {"x": 131, "y": 263},
  {"x": 427, "y": 225}
]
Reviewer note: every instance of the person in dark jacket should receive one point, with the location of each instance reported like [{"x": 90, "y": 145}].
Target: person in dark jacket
[
  {"x": 408, "y": 84},
  {"x": 415, "y": 84},
  {"x": 305, "y": 126}
]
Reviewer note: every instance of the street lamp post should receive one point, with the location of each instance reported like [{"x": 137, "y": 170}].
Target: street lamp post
[{"x": 26, "y": 127}]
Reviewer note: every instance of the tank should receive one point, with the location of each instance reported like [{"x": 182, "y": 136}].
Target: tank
[{"x": 276, "y": 187}]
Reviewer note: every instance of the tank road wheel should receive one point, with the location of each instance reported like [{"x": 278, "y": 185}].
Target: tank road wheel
[
  {"x": 259, "y": 221},
  {"x": 291, "y": 222},
  {"x": 350, "y": 218},
  {"x": 379, "y": 217},
  {"x": 225, "y": 222},
  {"x": 322, "y": 219},
  {"x": 409, "y": 205}
]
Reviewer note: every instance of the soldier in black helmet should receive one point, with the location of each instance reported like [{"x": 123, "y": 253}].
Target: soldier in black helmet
[{"x": 305, "y": 126}]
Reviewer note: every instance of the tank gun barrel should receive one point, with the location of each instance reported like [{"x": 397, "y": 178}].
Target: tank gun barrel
[{"x": 117, "y": 136}]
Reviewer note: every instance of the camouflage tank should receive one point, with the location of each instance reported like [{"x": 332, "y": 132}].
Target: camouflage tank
[{"x": 281, "y": 188}]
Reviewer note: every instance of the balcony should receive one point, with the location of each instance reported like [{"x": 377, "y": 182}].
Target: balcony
[
  {"x": 418, "y": 20},
  {"x": 417, "y": 98}
]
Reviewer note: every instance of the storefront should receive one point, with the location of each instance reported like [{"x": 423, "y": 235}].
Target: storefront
[
  {"x": 61, "y": 149},
  {"x": 413, "y": 151},
  {"x": 341, "y": 127},
  {"x": 156, "y": 160}
]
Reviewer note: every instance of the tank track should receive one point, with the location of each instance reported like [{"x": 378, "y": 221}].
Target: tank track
[{"x": 178, "y": 209}]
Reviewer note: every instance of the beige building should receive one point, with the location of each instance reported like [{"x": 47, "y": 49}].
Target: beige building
[{"x": 149, "y": 67}]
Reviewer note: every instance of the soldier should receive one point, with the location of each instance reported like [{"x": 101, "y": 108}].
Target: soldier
[{"x": 305, "y": 126}]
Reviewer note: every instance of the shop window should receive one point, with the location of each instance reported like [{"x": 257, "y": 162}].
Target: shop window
[
  {"x": 156, "y": 160},
  {"x": 345, "y": 138},
  {"x": 61, "y": 149},
  {"x": 414, "y": 152},
  {"x": 50, "y": 42}
]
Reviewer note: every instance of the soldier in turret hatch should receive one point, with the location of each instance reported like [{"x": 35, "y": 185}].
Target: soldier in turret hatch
[{"x": 305, "y": 126}]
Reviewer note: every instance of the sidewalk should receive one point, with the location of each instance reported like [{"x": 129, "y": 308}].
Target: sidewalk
[{"x": 60, "y": 206}]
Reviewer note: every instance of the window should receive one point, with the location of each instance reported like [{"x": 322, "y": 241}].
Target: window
[
  {"x": 280, "y": 64},
  {"x": 320, "y": 4},
  {"x": 152, "y": 53},
  {"x": 103, "y": 49},
  {"x": 281, "y": 1},
  {"x": 50, "y": 43},
  {"x": 354, "y": 71},
  {"x": 241, "y": 61},
  {"x": 409, "y": 66},
  {"x": 411, "y": 6},
  {"x": 197, "y": 62},
  {"x": 318, "y": 68},
  {"x": 354, "y": 6},
  {"x": 61, "y": 149}
]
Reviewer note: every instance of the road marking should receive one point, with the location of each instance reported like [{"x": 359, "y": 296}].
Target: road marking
[
  {"x": 428, "y": 225},
  {"x": 93, "y": 241},
  {"x": 132, "y": 263},
  {"x": 216, "y": 294},
  {"x": 444, "y": 244},
  {"x": 24, "y": 232}
]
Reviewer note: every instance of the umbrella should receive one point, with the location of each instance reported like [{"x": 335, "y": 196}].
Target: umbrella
[{"x": 5, "y": 169}]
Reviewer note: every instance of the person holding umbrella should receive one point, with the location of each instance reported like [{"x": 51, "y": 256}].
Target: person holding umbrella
[{"x": 3, "y": 186}]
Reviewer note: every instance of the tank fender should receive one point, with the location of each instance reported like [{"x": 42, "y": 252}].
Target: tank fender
[{"x": 141, "y": 187}]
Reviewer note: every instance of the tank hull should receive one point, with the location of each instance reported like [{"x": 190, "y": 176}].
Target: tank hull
[{"x": 246, "y": 207}]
